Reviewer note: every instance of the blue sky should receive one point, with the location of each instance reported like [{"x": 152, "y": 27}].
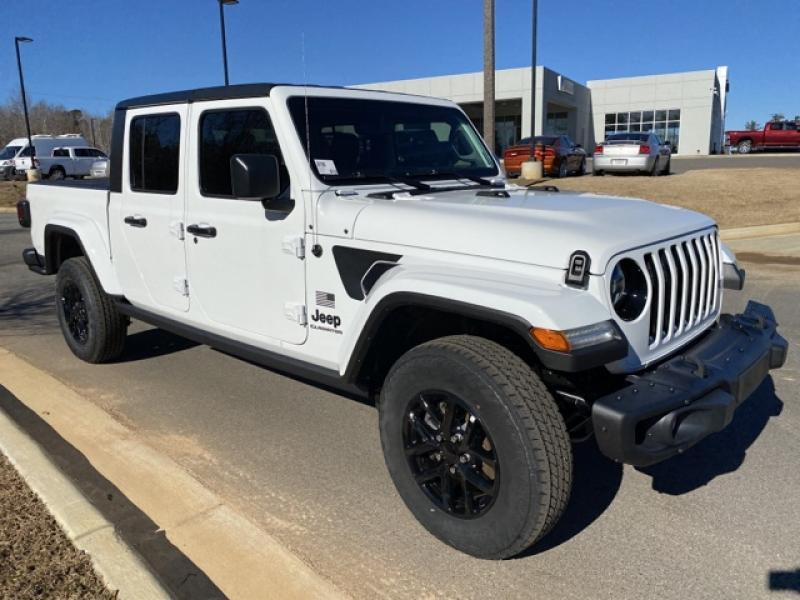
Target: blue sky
[{"x": 90, "y": 53}]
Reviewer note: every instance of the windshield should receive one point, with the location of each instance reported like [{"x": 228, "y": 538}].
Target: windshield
[
  {"x": 360, "y": 141},
  {"x": 9, "y": 152}
]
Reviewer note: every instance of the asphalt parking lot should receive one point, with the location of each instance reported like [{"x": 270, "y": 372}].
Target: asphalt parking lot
[{"x": 721, "y": 521}]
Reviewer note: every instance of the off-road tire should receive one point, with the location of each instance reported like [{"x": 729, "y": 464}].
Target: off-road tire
[
  {"x": 532, "y": 446},
  {"x": 106, "y": 327}
]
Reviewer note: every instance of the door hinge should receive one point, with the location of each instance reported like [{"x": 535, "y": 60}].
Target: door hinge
[
  {"x": 294, "y": 245},
  {"x": 181, "y": 285},
  {"x": 296, "y": 312},
  {"x": 176, "y": 229}
]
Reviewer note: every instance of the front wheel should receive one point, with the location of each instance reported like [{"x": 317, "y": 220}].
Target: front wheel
[
  {"x": 666, "y": 169},
  {"x": 582, "y": 168},
  {"x": 92, "y": 327},
  {"x": 475, "y": 445},
  {"x": 563, "y": 171}
]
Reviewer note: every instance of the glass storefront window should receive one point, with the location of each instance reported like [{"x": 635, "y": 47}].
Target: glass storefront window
[
  {"x": 611, "y": 118},
  {"x": 661, "y": 115},
  {"x": 647, "y": 116},
  {"x": 622, "y": 118},
  {"x": 635, "y": 118},
  {"x": 674, "y": 114}
]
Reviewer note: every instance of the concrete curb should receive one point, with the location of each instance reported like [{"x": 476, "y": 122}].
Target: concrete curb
[
  {"x": 241, "y": 559},
  {"x": 759, "y": 231},
  {"x": 116, "y": 563}
]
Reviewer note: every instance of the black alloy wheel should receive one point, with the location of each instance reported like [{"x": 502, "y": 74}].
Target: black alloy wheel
[
  {"x": 451, "y": 455},
  {"x": 76, "y": 318}
]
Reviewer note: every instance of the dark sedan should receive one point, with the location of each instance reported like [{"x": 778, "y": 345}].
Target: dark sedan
[{"x": 559, "y": 155}]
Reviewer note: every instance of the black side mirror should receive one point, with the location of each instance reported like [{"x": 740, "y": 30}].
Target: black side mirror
[
  {"x": 578, "y": 146},
  {"x": 255, "y": 176}
]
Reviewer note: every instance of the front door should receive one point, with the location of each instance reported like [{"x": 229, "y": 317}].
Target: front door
[
  {"x": 150, "y": 260},
  {"x": 245, "y": 265}
]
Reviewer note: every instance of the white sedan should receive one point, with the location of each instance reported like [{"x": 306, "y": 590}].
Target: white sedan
[{"x": 632, "y": 152}]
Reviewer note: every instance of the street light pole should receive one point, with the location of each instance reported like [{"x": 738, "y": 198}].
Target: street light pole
[
  {"x": 17, "y": 41},
  {"x": 222, "y": 4}
]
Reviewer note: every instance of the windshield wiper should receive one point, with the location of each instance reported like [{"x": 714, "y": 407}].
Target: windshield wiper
[
  {"x": 381, "y": 178},
  {"x": 456, "y": 175}
]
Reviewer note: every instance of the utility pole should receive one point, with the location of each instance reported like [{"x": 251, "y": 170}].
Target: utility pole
[
  {"x": 533, "y": 70},
  {"x": 488, "y": 73}
]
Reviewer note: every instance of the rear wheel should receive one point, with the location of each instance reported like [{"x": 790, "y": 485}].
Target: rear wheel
[
  {"x": 475, "y": 445},
  {"x": 654, "y": 169},
  {"x": 665, "y": 170},
  {"x": 92, "y": 327},
  {"x": 56, "y": 174},
  {"x": 745, "y": 147},
  {"x": 582, "y": 168},
  {"x": 563, "y": 171}
]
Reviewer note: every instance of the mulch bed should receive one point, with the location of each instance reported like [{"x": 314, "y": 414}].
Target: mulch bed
[{"x": 36, "y": 558}]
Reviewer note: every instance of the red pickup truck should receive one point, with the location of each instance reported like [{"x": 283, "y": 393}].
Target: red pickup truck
[{"x": 781, "y": 134}]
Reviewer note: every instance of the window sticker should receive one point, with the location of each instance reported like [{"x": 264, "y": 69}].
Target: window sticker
[{"x": 325, "y": 166}]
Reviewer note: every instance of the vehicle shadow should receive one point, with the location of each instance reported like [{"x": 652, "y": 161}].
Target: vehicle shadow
[
  {"x": 784, "y": 581},
  {"x": 152, "y": 343},
  {"x": 721, "y": 453},
  {"x": 596, "y": 481},
  {"x": 27, "y": 312}
]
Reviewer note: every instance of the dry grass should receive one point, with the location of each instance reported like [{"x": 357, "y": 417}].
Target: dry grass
[
  {"x": 36, "y": 558},
  {"x": 11, "y": 192},
  {"x": 733, "y": 197}
]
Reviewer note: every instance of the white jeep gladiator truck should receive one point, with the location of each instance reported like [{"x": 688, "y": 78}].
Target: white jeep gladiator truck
[{"x": 366, "y": 241}]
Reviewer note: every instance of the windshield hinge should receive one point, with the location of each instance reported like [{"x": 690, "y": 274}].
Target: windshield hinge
[
  {"x": 294, "y": 245},
  {"x": 295, "y": 311}
]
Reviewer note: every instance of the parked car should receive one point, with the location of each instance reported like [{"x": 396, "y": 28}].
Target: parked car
[
  {"x": 7, "y": 155},
  {"x": 99, "y": 168},
  {"x": 44, "y": 146},
  {"x": 559, "y": 154},
  {"x": 632, "y": 152},
  {"x": 365, "y": 241},
  {"x": 72, "y": 161},
  {"x": 776, "y": 135}
]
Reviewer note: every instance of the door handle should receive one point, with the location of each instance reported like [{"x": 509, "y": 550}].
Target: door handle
[
  {"x": 136, "y": 221},
  {"x": 206, "y": 231}
]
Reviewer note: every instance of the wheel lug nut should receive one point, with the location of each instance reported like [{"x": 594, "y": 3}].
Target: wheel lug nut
[
  {"x": 455, "y": 438},
  {"x": 463, "y": 459},
  {"x": 439, "y": 437},
  {"x": 452, "y": 470}
]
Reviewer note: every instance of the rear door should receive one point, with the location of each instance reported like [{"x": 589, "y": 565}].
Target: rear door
[
  {"x": 82, "y": 162},
  {"x": 150, "y": 261}
]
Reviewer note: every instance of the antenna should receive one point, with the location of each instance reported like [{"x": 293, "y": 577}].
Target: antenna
[{"x": 314, "y": 219}]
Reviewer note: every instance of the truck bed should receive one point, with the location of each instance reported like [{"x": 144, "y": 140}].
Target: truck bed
[{"x": 90, "y": 184}]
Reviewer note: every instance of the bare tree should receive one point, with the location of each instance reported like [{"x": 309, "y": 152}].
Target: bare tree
[
  {"x": 752, "y": 126},
  {"x": 488, "y": 73}
]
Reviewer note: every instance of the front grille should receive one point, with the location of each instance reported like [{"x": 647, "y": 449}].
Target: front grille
[{"x": 684, "y": 278}]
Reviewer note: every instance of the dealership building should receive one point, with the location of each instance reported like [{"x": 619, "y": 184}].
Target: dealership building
[{"x": 688, "y": 109}]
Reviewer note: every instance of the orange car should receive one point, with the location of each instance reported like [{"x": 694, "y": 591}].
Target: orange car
[{"x": 559, "y": 154}]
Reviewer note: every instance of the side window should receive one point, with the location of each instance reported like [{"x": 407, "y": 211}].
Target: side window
[
  {"x": 60, "y": 152},
  {"x": 81, "y": 153},
  {"x": 154, "y": 151},
  {"x": 96, "y": 153},
  {"x": 776, "y": 126},
  {"x": 225, "y": 133},
  {"x": 790, "y": 126},
  {"x": 26, "y": 152}
]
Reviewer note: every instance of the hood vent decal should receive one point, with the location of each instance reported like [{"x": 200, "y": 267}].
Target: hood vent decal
[{"x": 354, "y": 263}]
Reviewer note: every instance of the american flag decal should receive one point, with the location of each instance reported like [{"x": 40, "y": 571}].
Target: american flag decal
[{"x": 326, "y": 299}]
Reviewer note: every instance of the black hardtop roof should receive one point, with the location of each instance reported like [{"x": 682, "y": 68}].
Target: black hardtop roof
[{"x": 220, "y": 92}]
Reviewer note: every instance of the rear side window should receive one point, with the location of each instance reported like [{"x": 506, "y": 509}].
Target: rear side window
[
  {"x": 155, "y": 143},
  {"x": 60, "y": 152},
  {"x": 225, "y": 133},
  {"x": 81, "y": 152}
]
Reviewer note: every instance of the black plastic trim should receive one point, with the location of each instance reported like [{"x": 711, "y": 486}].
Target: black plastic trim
[
  {"x": 117, "y": 150},
  {"x": 353, "y": 264},
  {"x": 49, "y": 257},
  {"x": 35, "y": 261},
  {"x": 669, "y": 408},
  {"x": 291, "y": 366}
]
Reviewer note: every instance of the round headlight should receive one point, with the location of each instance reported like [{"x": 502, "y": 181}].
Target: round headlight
[{"x": 628, "y": 289}]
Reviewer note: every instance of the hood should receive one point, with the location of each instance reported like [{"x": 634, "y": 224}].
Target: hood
[{"x": 532, "y": 227}]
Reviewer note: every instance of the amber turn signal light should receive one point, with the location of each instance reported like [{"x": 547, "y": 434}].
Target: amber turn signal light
[{"x": 550, "y": 340}]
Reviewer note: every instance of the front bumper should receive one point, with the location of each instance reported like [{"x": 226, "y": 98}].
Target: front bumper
[
  {"x": 670, "y": 408},
  {"x": 623, "y": 163}
]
